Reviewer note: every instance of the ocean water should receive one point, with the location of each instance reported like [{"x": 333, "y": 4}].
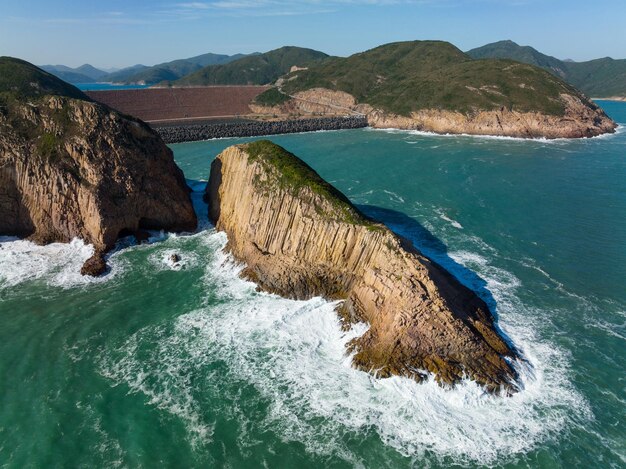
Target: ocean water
[
  {"x": 107, "y": 86},
  {"x": 161, "y": 365}
]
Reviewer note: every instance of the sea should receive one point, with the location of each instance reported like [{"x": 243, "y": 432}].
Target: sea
[
  {"x": 107, "y": 86},
  {"x": 186, "y": 365}
]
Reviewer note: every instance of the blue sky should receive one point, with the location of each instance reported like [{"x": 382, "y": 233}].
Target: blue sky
[{"x": 116, "y": 33}]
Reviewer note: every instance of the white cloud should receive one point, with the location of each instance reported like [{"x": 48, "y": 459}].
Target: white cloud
[{"x": 278, "y": 7}]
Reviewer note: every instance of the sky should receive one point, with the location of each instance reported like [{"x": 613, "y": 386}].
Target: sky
[{"x": 119, "y": 33}]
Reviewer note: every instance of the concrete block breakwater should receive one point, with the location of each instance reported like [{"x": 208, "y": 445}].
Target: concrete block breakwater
[{"x": 194, "y": 132}]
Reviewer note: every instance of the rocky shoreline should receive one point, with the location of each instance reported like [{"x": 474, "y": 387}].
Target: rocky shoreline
[
  {"x": 581, "y": 118},
  {"x": 195, "y": 132}
]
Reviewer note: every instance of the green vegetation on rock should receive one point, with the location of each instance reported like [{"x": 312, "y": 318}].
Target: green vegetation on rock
[
  {"x": 271, "y": 97},
  {"x": 408, "y": 76},
  {"x": 258, "y": 69},
  {"x": 48, "y": 145},
  {"x": 604, "y": 77},
  {"x": 292, "y": 174}
]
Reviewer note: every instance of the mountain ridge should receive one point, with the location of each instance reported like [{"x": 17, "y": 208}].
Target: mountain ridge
[
  {"x": 259, "y": 69},
  {"x": 603, "y": 77}
]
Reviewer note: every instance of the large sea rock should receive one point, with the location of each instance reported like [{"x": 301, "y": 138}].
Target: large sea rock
[
  {"x": 299, "y": 237},
  {"x": 70, "y": 167}
]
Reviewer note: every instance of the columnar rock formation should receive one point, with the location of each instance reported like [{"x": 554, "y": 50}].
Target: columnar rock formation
[
  {"x": 73, "y": 168},
  {"x": 300, "y": 238}
]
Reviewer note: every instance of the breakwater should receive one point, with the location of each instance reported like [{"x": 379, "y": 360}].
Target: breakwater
[{"x": 194, "y": 132}]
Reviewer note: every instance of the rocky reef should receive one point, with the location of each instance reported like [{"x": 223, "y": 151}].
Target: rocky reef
[
  {"x": 299, "y": 237},
  {"x": 71, "y": 168}
]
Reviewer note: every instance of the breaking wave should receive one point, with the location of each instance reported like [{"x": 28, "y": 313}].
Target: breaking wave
[{"x": 293, "y": 354}]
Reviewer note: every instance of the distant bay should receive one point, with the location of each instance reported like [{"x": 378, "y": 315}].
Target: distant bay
[{"x": 107, "y": 86}]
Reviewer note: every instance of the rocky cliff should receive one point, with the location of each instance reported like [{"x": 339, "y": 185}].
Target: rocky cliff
[
  {"x": 300, "y": 238},
  {"x": 580, "y": 118},
  {"x": 70, "y": 167}
]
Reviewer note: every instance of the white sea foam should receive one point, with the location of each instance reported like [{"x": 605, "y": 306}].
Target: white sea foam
[
  {"x": 393, "y": 196},
  {"x": 107, "y": 446},
  {"x": 58, "y": 263},
  {"x": 445, "y": 217},
  {"x": 163, "y": 259},
  {"x": 422, "y": 133},
  {"x": 293, "y": 353}
]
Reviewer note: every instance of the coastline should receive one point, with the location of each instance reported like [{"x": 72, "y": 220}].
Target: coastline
[
  {"x": 424, "y": 133},
  {"x": 618, "y": 99},
  {"x": 180, "y": 132}
]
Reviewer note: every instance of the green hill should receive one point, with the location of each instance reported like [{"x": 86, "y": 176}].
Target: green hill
[
  {"x": 599, "y": 78},
  {"x": 524, "y": 54},
  {"x": 258, "y": 69},
  {"x": 20, "y": 79},
  {"x": 123, "y": 75},
  {"x": 407, "y": 76}
]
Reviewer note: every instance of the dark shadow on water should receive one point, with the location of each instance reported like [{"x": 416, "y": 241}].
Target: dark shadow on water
[{"x": 433, "y": 248}]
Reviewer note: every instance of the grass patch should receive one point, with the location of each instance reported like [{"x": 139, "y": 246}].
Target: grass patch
[
  {"x": 271, "y": 97},
  {"x": 290, "y": 173},
  {"x": 48, "y": 145}
]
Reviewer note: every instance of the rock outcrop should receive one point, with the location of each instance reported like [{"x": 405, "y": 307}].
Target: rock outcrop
[
  {"x": 581, "y": 118},
  {"x": 300, "y": 237},
  {"x": 70, "y": 168}
]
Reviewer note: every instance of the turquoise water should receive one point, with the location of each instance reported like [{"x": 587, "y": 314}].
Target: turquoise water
[
  {"x": 107, "y": 86},
  {"x": 155, "y": 366}
]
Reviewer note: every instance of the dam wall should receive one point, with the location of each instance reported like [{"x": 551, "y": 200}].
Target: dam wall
[{"x": 162, "y": 104}]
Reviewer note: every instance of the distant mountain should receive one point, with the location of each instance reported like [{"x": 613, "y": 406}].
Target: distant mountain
[
  {"x": 122, "y": 76},
  {"x": 604, "y": 77},
  {"x": 257, "y": 69},
  {"x": 84, "y": 74},
  {"x": 91, "y": 71},
  {"x": 170, "y": 71}
]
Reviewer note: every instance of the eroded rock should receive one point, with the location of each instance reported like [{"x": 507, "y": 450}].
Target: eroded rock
[
  {"x": 72, "y": 168},
  {"x": 300, "y": 238}
]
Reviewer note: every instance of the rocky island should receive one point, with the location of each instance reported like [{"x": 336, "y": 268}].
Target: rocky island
[
  {"x": 433, "y": 86},
  {"x": 70, "y": 167},
  {"x": 299, "y": 237}
]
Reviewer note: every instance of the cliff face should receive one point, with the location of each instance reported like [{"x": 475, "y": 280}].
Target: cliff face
[
  {"x": 581, "y": 118},
  {"x": 300, "y": 238},
  {"x": 73, "y": 168}
]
